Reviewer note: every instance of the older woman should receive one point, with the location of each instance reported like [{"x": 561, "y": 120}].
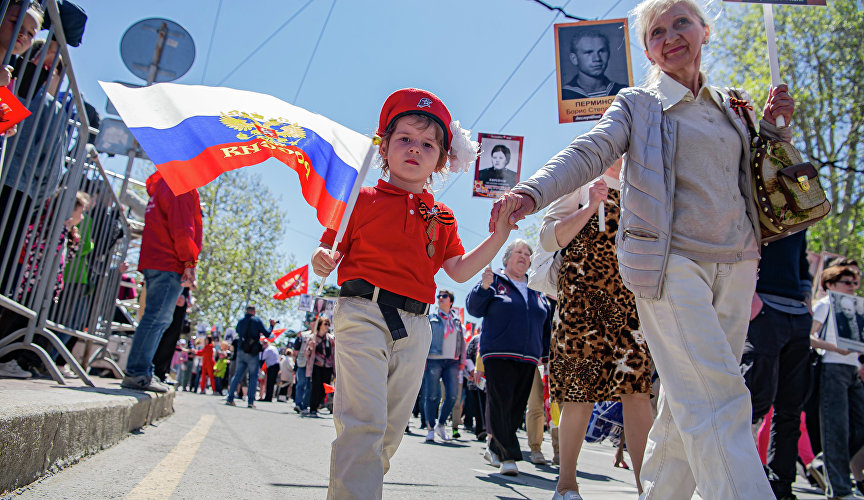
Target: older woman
[
  {"x": 515, "y": 339},
  {"x": 596, "y": 353},
  {"x": 687, "y": 245}
]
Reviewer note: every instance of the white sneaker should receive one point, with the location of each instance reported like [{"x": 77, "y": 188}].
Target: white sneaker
[
  {"x": 12, "y": 369},
  {"x": 67, "y": 372},
  {"x": 570, "y": 495},
  {"x": 492, "y": 458},
  {"x": 430, "y": 437},
  {"x": 508, "y": 468},
  {"x": 537, "y": 458},
  {"x": 441, "y": 431}
]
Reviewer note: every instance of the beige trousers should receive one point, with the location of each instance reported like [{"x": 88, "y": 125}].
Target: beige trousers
[
  {"x": 377, "y": 382},
  {"x": 701, "y": 435},
  {"x": 535, "y": 418}
]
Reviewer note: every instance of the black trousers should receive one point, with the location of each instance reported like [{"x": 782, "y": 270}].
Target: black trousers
[
  {"x": 320, "y": 376},
  {"x": 508, "y": 385},
  {"x": 475, "y": 410},
  {"x": 272, "y": 374},
  {"x": 168, "y": 343},
  {"x": 776, "y": 370}
]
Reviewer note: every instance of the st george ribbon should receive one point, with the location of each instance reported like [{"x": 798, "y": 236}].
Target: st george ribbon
[{"x": 194, "y": 133}]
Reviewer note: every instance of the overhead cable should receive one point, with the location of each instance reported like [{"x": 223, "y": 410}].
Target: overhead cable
[
  {"x": 262, "y": 44},
  {"x": 314, "y": 50},
  {"x": 210, "y": 45}
]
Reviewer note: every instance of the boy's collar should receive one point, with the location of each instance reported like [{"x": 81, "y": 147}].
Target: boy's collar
[{"x": 427, "y": 197}]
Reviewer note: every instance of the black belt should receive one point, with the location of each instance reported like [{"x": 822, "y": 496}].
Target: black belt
[{"x": 387, "y": 301}]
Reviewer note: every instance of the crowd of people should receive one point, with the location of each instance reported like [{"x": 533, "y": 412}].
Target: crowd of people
[{"x": 668, "y": 303}]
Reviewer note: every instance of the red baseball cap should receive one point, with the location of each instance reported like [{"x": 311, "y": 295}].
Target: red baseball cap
[{"x": 416, "y": 102}]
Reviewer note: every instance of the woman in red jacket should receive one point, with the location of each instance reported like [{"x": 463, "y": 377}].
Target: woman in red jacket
[{"x": 207, "y": 365}]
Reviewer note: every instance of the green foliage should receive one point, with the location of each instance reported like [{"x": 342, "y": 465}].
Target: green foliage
[
  {"x": 822, "y": 59},
  {"x": 240, "y": 259}
]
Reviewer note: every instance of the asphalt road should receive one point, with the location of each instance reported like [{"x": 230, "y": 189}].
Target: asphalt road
[{"x": 209, "y": 450}]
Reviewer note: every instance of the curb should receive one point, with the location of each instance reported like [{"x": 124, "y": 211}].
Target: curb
[{"x": 45, "y": 427}]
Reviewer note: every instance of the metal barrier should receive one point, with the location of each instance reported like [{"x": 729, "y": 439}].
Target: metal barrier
[{"x": 44, "y": 165}]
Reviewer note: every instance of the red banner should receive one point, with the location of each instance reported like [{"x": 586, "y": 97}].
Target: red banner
[
  {"x": 12, "y": 111},
  {"x": 292, "y": 284}
]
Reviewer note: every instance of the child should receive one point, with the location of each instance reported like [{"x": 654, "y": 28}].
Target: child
[{"x": 397, "y": 238}]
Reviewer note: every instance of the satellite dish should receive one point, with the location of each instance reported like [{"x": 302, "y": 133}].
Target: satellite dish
[{"x": 157, "y": 50}]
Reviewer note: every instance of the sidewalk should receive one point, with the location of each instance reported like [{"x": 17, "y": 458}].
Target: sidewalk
[{"x": 45, "y": 426}]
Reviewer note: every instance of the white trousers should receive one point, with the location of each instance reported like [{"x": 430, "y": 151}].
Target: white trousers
[
  {"x": 377, "y": 382},
  {"x": 701, "y": 435}
]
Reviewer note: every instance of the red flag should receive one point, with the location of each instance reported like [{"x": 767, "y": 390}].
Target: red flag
[
  {"x": 277, "y": 333},
  {"x": 11, "y": 110},
  {"x": 294, "y": 283}
]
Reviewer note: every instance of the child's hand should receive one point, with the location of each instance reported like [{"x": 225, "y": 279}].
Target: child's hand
[
  {"x": 322, "y": 263},
  {"x": 5, "y": 76},
  {"x": 503, "y": 225},
  {"x": 524, "y": 206}
]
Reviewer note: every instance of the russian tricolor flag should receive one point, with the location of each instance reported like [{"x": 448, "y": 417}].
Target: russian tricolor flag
[{"x": 194, "y": 133}]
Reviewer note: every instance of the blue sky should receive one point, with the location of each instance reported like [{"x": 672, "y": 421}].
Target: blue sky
[{"x": 464, "y": 51}]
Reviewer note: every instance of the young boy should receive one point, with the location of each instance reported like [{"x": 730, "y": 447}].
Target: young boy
[{"x": 397, "y": 238}]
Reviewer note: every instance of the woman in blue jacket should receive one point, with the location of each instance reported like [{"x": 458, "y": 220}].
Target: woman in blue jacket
[{"x": 516, "y": 333}]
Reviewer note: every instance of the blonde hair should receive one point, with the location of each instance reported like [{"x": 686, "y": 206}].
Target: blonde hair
[{"x": 644, "y": 15}]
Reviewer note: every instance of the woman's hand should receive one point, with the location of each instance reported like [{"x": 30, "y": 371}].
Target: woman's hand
[
  {"x": 322, "y": 263},
  {"x": 524, "y": 204},
  {"x": 779, "y": 103},
  {"x": 597, "y": 193},
  {"x": 486, "y": 280}
]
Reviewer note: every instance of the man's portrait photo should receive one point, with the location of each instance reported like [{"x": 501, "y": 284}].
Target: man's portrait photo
[
  {"x": 593, "y": 62},
  {"x": 848, "y": 320},
  {"x": 498, "y": 165},
  {"x": 589, "y": 54}
]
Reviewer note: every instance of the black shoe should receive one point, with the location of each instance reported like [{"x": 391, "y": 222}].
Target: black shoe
[{"x": 481, "y": 437}]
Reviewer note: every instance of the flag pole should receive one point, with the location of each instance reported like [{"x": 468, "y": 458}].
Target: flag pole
[
  {"x": 773, "y": 61},
  {"x": 349, "y": 208}
]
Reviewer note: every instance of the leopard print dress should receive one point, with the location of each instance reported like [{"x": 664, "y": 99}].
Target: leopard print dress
[{"x": 596, "y": 353}]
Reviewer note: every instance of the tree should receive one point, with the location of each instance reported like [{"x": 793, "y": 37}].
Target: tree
[
  {"x": 240, "y": 259},
  {"x": 822, "y": 60}
]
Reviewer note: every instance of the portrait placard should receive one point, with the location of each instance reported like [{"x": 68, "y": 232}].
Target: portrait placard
[
  {"x": 592, "y": 59},
  {"x": 847, "y": 314},
  {"x": 499, "y": 165},
  {"x": 305, "y": 302}
]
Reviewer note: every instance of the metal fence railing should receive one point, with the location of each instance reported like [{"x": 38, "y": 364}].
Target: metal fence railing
[{"x": 59, "y": 276}]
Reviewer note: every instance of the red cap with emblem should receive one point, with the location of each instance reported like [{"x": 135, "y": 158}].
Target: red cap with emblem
[{"x": 416, "y": 102}]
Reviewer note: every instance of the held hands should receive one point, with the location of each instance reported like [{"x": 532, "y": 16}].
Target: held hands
[
  {"x": 523, "y": 205},
  {"x": 597, "y": 193},
  {"x": 322, "y": 263},
  {"x": 486, "y": 279},
  {"x": 779, "y": 103}
]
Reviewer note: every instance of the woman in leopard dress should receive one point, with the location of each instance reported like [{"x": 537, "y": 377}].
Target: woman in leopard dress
[{"x": 597, "y": 353}]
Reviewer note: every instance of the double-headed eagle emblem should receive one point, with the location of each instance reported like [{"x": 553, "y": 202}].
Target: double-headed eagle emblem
[{"x": 278, "y": 130}]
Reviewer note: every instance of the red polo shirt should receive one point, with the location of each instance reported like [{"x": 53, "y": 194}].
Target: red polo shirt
[{"x": 385, "y": 242}]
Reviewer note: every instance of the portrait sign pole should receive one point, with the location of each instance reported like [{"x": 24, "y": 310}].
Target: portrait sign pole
[
  {"x": 768, "y": 15},
  {"x": 773, "y": 61}
]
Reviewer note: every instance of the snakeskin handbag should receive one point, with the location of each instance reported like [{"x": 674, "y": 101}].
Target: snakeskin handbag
[{"x": 787, "y": 189}]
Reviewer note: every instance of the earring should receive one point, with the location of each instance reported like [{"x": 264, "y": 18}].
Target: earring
[
  {"x": 651, "y": 61},
  {"x": 705, "y": 42}
]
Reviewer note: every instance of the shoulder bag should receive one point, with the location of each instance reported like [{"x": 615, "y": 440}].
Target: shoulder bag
[{"x": 787, "y": 190}]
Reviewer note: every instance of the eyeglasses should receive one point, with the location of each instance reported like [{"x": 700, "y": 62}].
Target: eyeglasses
[{"x": 849, "y": 282}]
